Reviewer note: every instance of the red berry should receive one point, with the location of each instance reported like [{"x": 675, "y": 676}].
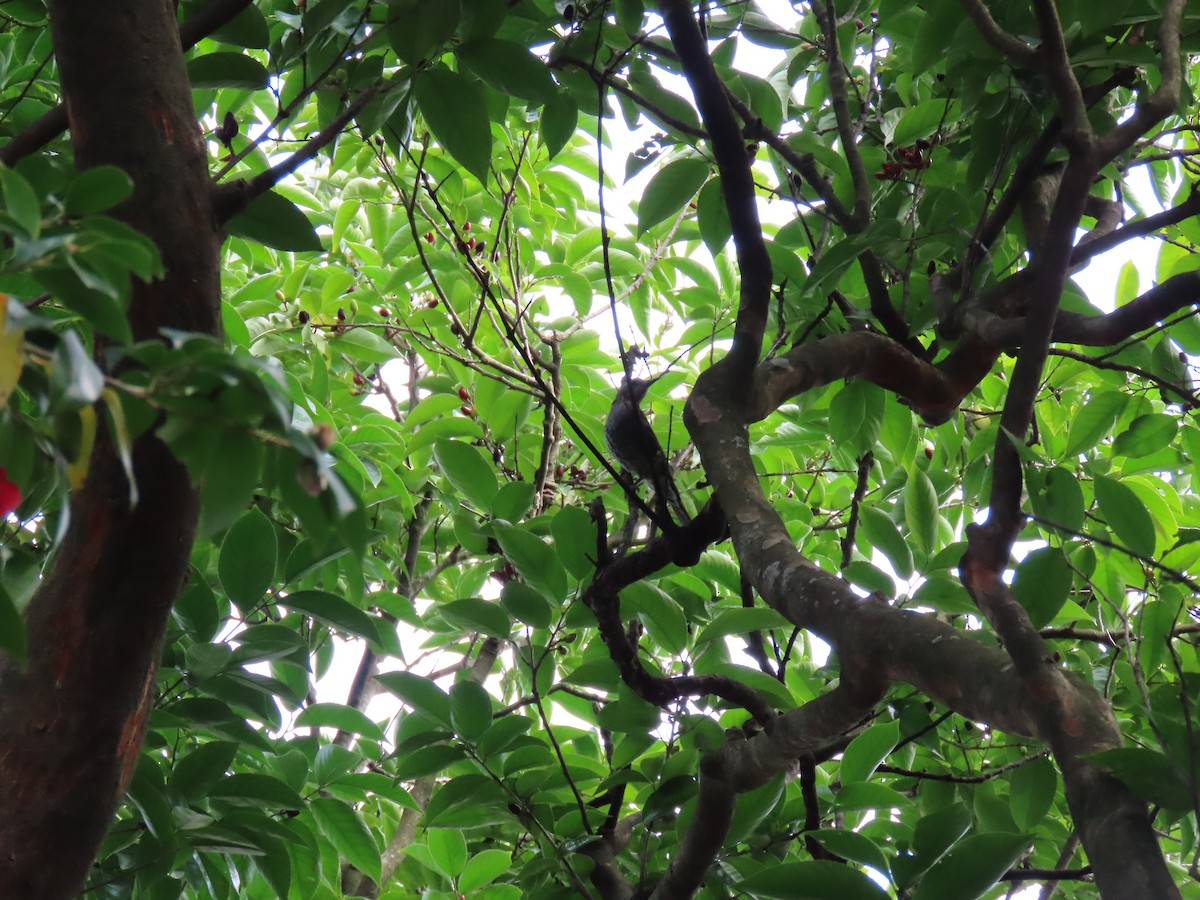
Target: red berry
[
  {"x": 10, "y": 495},
  {"x": 432, "y": 304},
  {"x": 466, "y": 226},
  {"x": 468, "y": 411},
  {"x": 558, "y": 471},
  {"x": 929, "y": 453},
  {"x": 471, "y": 244},
  {"x": 464, "y": 395},
  {"x": 358, "y": 379},
  {"x": 385, "y": 312},
  {"x": 429, "y": 236}
]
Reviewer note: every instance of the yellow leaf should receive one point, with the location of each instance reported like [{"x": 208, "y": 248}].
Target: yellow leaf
[
  {"x": 77, "y": 468},
  {"x": 11, "y": 353}
]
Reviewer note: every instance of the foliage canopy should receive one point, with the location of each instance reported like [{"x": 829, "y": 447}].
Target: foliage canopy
[{"x": 850, "y": 246}]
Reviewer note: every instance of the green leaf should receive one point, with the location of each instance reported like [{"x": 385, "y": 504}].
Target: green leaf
[
  {"x": 810, "y": 880},
  {"x": 713, "y": 216},
  {"x": 418, "y": 692},
  {"x": 558, "y": 121},
  {"x": 659, "y": 613},
  {"x": 320, "y": 14},
  {"x": 195, "y": 774},
  {"x": 526, "y": 605},
  {"x": 740, "y": 622},
  {"x": 247, "y": 29},
  {"x": 470, "y": 474},
  {"x": 933, "y": 837},
  {"x": 274, "y": 221},
  {"x": 575, "y": 540},
  {"x": 879, "y": 532},
  {"x": 534, "y": 560},
  {"x": 1057, "y": 497},
  {"x": 852, "y": 846},
  {"x": 104, "y": 312},
  {"x": 1147, "y": 434},
  {"x": 97, "y": 189},
  {"x": 343, "y": 718},
  {"x": 972, "y": 867},
  {"x": 365, "y": 346},
  {"x": 470, "y": 709},
  {"x": 454, "y": 109},
  {"x": 416, "y": 28},
  {"x": 348, "y": 834},
  {"x": 228, "y": 484},
  {"x": 868, "y": 750},
  {"x": 855, "y": 416},
  {"x": 1126, "y": 514},
  {"x": 246, "y": 565},
  {"x": 483, "y": 867},
  {"x": 334, "y": 611},
  {"x": 862, "y": 795},
  {"x": 508, "y": 67},
  {"x": 253, "y": 789},
  {"x": 448, "y": 849},
  {"x": 224, "y": 69},
  {"x": 1149, "y": 774},
  {"x": 1031, "y": 792},
  {"x": 1042, "y": 584},
  {"x": 671, "y": 188},
  {"x": 21, "y": 201},
  {"x": 1093, "y": 422},
  {"x": 921, "y": 509},
  {"x": 474, "y": 614}
]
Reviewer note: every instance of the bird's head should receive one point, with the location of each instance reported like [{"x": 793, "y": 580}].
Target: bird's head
[{"x": 635, "y": 388}]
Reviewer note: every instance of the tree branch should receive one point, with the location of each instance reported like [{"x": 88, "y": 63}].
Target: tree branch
[{"x": 737, "y": 182}]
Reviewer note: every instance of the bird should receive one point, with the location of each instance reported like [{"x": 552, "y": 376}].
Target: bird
[{"x": 636, "y": 448}]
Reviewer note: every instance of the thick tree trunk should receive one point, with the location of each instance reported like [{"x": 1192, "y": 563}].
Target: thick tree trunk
[{"x": 72, "y": 719}]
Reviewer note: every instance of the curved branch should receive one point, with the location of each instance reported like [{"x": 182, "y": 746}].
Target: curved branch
[
  {"x": 737, "y": 182},
  {"x": 840, "y": 99},
  {"x": 1176, "y": 293},
  {"x": 1016, "y": 50},
  {"x": 1163, "y": 101}
]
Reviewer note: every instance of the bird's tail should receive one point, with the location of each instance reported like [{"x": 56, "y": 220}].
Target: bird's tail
[{"x": 666, "y": 494}]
